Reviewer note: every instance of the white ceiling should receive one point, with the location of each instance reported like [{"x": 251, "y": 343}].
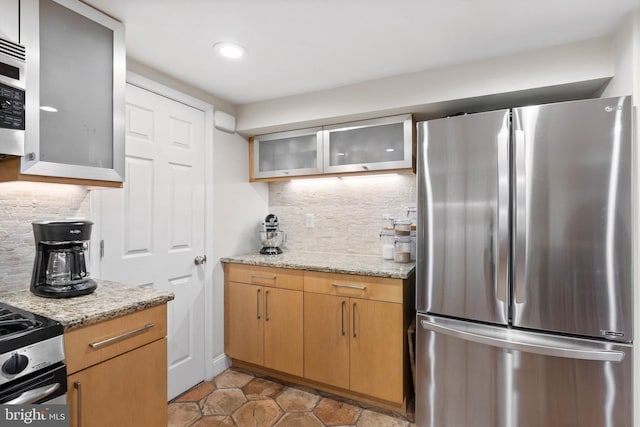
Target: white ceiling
[{"x": 298, "y": 46}]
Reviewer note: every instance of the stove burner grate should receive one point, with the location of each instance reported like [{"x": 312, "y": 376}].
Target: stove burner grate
[{"x": 12, "y": 322}]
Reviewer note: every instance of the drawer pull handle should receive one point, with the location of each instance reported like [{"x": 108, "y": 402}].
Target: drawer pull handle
[
  {"x": 258, "y": 304},
  {"x": 344, "y": 303},
  {"x": 260, "y": 276},
  {"x": 121, "y": 337},
  {"x": 78, "y": 386},
  {"x": 354, "y": 320},
  {"x": 341, "y": 285}
]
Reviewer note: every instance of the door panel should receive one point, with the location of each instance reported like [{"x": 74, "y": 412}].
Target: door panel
[
  {"x": 326, "y": 339},
  {"x": 573, "y": 221},
  {"x": 480, "y": 379},
  {"x": 377, "y": 342},
  {"x": 153, "y": 228},
  {"x": 283, "y": 330},
  {"x": 245, "y": 338},
  {"x": 128, "y": 390},
  {"x": 463, "y": 216}
]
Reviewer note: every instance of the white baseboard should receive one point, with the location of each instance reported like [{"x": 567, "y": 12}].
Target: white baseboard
[{"x": 220, "y": 364}]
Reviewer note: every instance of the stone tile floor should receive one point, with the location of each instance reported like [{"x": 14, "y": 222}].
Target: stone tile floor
[{"x": 237, "y": 398}]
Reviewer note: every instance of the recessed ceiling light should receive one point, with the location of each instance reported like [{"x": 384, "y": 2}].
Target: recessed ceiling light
[
  {"x": 389, "y": 150},
  {"x": 48, "y": 109},
  {"x": 229, "y": 50}
]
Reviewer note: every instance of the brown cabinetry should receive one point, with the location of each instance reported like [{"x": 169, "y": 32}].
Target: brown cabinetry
[
  {"x": 117, "y": 371},
  {"x": 374, "y": 145},
  {"x": 343, "y": 333},
  {"x": 263, "y": 317},
  {"x": 354, "y": 329}
]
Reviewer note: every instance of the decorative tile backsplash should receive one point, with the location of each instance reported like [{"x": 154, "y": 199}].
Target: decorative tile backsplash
[
  {"x": 20, "y": 204},
  {"x": 347, "y": 215},
  {"x": 347, "y": 212}
]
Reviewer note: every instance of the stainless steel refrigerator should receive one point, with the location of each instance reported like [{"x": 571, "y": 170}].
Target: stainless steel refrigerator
[{"x": 524, "y": 267}]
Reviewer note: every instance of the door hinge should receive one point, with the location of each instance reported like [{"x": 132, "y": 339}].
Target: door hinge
[{"x": 101, "y": 249}]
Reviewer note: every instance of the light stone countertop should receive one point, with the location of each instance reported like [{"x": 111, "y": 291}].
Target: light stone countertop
[
  {"x": 366, "y": 265},
  {"x": 109, "y": 300}
]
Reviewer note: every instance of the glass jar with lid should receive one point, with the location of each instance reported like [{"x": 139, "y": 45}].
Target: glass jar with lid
[
  {"x": 402, "y": 227},
  {"x": 386, "y": 237},
  {"x": 402, "y": 249}
]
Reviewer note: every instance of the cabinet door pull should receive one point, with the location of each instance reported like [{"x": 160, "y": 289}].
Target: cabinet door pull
[
  {"x": 258, "y": 304},
  {"x": 266, "y": 306},
  {"x": 341, "y": 285},
  {"x": 260, "y": 276},
  {"x": 354, "y": 319},
  {"x": 344, "y": 305},
  {"x": 121, "y": 337},
  {"x": 78, "y": 388}
]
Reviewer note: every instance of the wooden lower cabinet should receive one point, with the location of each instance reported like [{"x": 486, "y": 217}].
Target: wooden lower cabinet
[
  {"x": 117, "y": 371},
  {"x": 343, "y": 333},
  {"x": 124, "y": 391},
  {"x": 376, "y": 349},
  {"x": 244, "y": 337},
  {"x": 283, "y": 330},
  {"x": 355, "y": 344},
  {"x": 264, "y": 326},
  {"x": 326, "y": 344}
]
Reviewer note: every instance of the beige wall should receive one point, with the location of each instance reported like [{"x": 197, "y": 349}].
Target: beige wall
[{"x": 575, "y": 68}]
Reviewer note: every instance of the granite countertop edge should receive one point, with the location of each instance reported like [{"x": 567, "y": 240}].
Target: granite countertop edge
[
  {"x": 109, "y": 301},
  {"x": 365, "y": 265}
]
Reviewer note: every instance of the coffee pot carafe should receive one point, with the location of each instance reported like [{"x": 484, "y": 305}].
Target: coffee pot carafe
[{"x": 60, "y": 267}]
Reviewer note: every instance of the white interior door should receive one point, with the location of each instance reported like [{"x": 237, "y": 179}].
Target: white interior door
[{"x": 154, "y": 227}]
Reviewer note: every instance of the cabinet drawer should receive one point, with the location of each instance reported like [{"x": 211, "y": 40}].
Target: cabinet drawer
[
  {"x": 96, "y": 343},
  {"x": 265, "y": 276},
  {"x": 351, "y": 285}
]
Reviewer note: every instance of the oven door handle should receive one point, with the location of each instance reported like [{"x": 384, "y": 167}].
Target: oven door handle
[{"x": 34, "y": 395}]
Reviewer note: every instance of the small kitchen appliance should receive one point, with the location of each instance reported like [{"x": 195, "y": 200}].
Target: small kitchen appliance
[
  {"x": 60, "y": 266},
  {"x": 271, "y": 237},
  {"x": 12, "y": 98}
]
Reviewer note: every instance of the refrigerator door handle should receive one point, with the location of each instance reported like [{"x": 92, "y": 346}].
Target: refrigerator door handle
[
  {"x": 503, "y": 215},
  {"x": 520, "y": 216},
  {"x": 517, "y": 340}
]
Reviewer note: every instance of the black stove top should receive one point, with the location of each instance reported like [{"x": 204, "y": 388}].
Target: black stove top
[{"x": 20, "y": 328}]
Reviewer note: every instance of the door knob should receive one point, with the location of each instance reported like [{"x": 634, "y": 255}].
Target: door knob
[{"x": 200, "y": 260}]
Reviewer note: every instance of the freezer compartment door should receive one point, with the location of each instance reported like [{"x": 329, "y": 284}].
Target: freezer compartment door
[
  {"x": 476, "y": 375},
  {"x": 463, "y": 216},
  {"x": 573, "y": 218}
]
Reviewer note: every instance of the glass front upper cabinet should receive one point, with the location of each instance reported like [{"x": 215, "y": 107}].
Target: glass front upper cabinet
[
  {"x": 369, "y": 145},
  {"x": 287, "y": 154},
  {"x": 75, "y": 75}
]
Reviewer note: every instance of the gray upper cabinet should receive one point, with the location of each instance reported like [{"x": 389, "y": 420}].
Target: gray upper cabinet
[
  {"x": 75, "y": 80},
  {"x": 369, "y": 145},
  {"x": 285, "y": 154}
]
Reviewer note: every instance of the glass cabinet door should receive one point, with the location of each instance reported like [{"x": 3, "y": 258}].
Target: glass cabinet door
[
  {"x": 75, "y": 96},
  {"x": 367, "y": 145},
  {"x": 284, "y": 154}
]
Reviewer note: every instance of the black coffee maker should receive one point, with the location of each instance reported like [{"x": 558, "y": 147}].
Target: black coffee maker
[{"x": 60, "y": 267}]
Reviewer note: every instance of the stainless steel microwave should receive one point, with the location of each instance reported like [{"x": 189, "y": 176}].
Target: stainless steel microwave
[{"x": 12, "y": 98}]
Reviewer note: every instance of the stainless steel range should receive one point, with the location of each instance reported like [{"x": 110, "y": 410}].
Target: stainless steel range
[{"x": 32, "y": 368}]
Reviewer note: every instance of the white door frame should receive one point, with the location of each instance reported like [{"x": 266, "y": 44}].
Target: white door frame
[{"x": 168, "y": 92}]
